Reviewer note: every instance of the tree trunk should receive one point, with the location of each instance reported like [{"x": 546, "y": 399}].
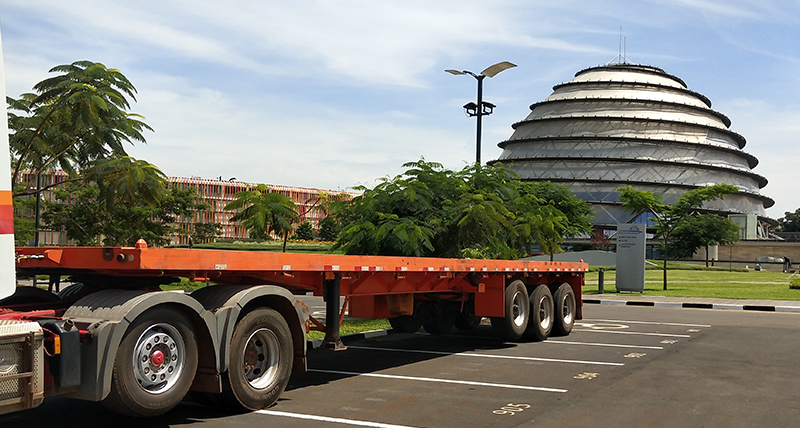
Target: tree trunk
[{"x": 285, "y": 238}]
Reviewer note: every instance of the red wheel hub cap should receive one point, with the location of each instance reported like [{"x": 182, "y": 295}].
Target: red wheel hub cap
[{"x": 157, "y": 357}]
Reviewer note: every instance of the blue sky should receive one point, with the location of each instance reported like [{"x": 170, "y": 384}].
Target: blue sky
[{"x": 332, "y": 94}]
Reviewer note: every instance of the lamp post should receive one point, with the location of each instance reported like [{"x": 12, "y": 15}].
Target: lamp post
[{"x": 482, "y": 108}]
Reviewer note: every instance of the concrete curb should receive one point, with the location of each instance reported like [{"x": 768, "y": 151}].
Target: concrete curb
[{"x": 694, "y": 305}]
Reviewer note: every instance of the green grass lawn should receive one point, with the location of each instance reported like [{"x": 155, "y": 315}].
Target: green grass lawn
[
  {"x": 721, "y": 284},
  {"x": 354, "y": 325}
]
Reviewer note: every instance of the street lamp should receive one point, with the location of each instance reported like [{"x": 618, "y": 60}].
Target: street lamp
[{"x": 482, "y": 108}]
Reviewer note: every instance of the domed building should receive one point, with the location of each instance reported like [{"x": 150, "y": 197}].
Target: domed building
[{"x": 625, "y": 124}]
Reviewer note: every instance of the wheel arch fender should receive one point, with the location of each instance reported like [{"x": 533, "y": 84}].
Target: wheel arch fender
[
  {"x": 230, "y": 303},
  {"x": 109, "y": 314}
]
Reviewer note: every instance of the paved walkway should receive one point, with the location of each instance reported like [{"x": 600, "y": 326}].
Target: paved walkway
[{"x": 692, "y": 302}]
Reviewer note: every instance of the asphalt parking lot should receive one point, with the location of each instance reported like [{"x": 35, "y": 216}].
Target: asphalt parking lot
[{"x": 621, "y": 366}]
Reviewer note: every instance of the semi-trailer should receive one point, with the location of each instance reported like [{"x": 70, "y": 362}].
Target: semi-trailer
[{"x": 114, "y": 336}]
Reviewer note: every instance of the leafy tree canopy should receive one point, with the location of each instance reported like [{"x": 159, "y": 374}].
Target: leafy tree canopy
[
  {"x": 305, "y": 231},
  {"x": 78, "y": 121},
  {"x": 89, "y": 219},
  {"x": 480, "y": 211},
  {"x": 262, "y": 211},
  {"x": 703, "y": 230},
  {"x": 206, "y": 232},
  {"x": 671, "y": 218},
  {"x": 790, "y": 222},
  {"x": 329, "y": 229}
]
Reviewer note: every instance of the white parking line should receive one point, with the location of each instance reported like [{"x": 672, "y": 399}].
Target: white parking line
[
  {"x": 430, "y": 379},
  {"x": 610, "y": 345},
  {"x": 506, "y": 357},
  {"x": 653, "y": 323},
  {"x": 328, "y": 419},
  {"x": 633, "y": 333}
]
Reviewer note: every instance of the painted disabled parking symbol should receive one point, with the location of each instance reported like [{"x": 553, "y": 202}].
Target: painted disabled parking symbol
[{"x": 601, "y": 326}]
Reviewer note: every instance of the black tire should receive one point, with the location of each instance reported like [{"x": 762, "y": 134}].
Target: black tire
[
  {"x": 564, "y": 303},
  {"x": 207, "y": 399},
  {"x": 26, "y": 295},
  {"x": 442, "y": 324},
  {"x": 517, "y": 305},
  {"x": 467, "y": 321},
  {"x": 542, "y": 319},
  {"x": 261, "y": 355},
  {"x": 70, "y": 291},
  {"x": 407, "y": 323},
  {"x": 155, "y": 364}
]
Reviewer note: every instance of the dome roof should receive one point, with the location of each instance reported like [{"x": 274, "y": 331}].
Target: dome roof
[{"x": 620, "y": 124}]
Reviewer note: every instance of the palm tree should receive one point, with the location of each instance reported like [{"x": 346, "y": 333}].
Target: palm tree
[
  {"x": 128, "y": 179},
  {"x": 263, "y": 211},
  {"x": 74, "y": 120}
]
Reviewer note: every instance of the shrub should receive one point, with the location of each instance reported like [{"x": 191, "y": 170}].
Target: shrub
[
  {"x": 794, "y": 284},
  {"x": 305, "y": 232}
]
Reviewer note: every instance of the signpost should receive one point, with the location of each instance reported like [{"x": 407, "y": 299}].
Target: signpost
[{"x": 630, "y": 256}]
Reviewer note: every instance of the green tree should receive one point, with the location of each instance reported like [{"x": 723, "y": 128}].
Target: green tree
[
  {"x": 480, "y": 211},
  {"x": 578, "y": 212},
  {"x": 206, "y": 232},
  {"x": 790, "y": 222},
  {"x": 305, "y": 231},
  {"x": 24, "y": 229},
  {"x": 83, "y": 212},
  {"x": 703, "y": 230},
  {"x": 329, "y": 229},
  {"x": 262, "y": 212},
  {"x": 78, "y": 121},
  {"x": 74, "y": 120},
  {"x": 668, "y": 218}
]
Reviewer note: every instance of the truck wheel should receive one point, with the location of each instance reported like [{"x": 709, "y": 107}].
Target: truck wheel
[
  {"x": 155, "y": 364},
  {"x": 541, "y": 323},
  {"x": 407, "y": 323},
  {"x": 24, "y": 295},
  {"x": 517, "y": 302},
  {"x": 441, "y": 324},
  {"x": 564, "y": 302},
  {"x": 467, "y": 321},
  {"x": 70, "y": 291},
  {"x": 260, "y": 360}
]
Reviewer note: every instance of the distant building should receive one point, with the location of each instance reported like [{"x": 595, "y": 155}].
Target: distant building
[
  {"x": 216, "y": 193},
  {"x": 626, "y": 124}
]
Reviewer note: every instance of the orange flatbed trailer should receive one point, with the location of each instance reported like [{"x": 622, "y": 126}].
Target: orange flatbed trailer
[
  {"x": 237, "y": 341},
  {"x": 366, "y": 280}
]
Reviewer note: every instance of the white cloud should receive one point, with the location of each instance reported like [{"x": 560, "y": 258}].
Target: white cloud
[
  {"x": 373, "y": 42},
  {"x": 206, "y": 133},
  {"x": 328, "y": 94},
  {"x": 771, "y": 132},
  {"x": 725, "y": 8}
]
